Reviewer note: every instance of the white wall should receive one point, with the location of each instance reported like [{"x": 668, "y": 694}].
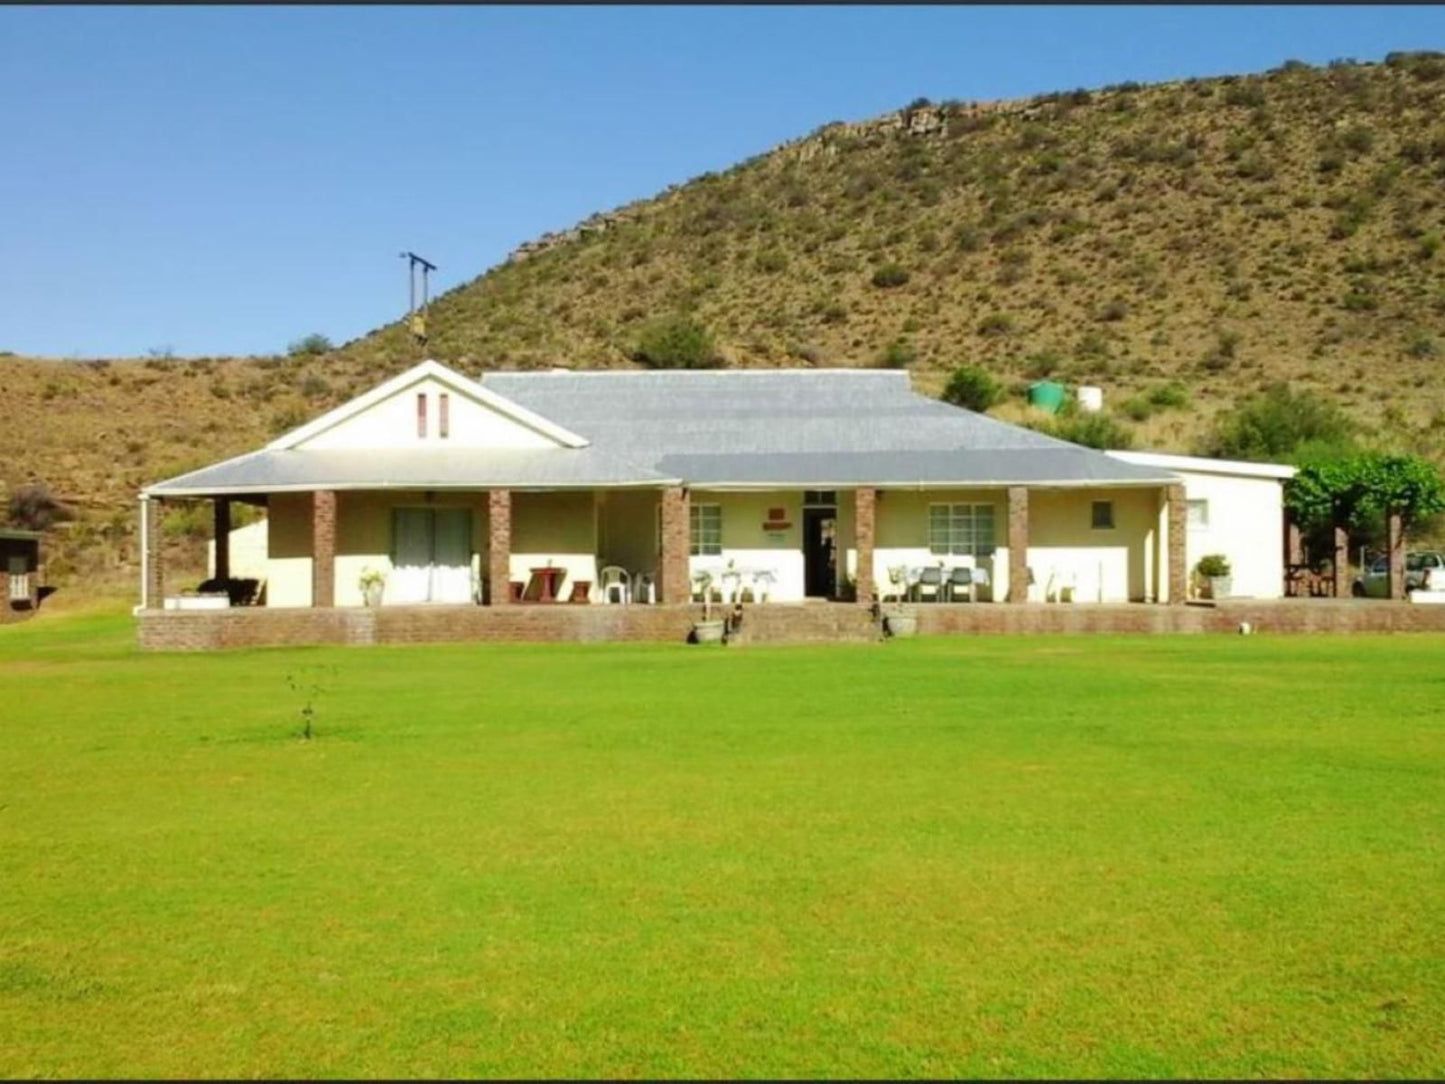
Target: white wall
[
  {"x": 745, "y": 542},
  {"x": 1246, "y": 524},
  {"x": 391, "y": 423},
  {"x": 248, "y": 552}
]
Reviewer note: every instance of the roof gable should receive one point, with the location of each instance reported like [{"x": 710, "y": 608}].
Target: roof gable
[{"x": 386, "y": 417}]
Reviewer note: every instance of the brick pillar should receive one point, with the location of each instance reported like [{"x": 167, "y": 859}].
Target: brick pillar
[
  {"x": 675, "y": 579},
  {"x": 499, "y": 545},
  {"x": 155, "y": 585},
  {"x": 1341, "y": 562},
  {"x": 865, "y": 518},
  {"x": 1294, "y": 553},
  {"x": 1018, "y": 544},
  {"x": 1178, "y": 516},
  {"x": 323, "y": 548},
  {"x": 1395, "y": 534},
  {"x": 5, "y": 611},
  {"x": 222, "y": 534}
]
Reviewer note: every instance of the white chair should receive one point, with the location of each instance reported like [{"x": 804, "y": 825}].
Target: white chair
[
  {"x": 644, "y": 587},
  {"x": 897, "y": 584},
  {"x": 763, "y": 580},
  {"x": 613, "y": 580}
]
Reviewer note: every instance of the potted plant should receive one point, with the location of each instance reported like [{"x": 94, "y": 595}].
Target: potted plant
[
  {"x": 372, "y": 582},
  {"x": 899, "y": 620},
  {"x": 1213, "y": 569},
  {"x": 708, "y": 630}
]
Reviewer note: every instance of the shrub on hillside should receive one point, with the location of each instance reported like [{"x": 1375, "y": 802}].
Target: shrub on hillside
[
  {"x": 994, "y": 324},
  {"x": 309, "y": 344},
  {"x": 676, "y": 342},
  {"x": 971, "y": 387},
  {"x": 899, "y": 354},
  {"x": 1280, "y": 424},
  {"x": 1090, "y": 430},
  {"x": 34, "y": 507},
  {"x": 890, "y": 275}
]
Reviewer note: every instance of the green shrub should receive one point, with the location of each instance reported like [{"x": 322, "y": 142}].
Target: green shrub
[
  {"x": 676, "y": 342},
  {"x": 1115, "y": 310},
  {"x": 1090, "y": 430},
  {"x": 899, "y": 354},
  {"x": 1172, "y": 396},
  {"x": 1137, "y": 408},
  {"x": 995, "y": 324},
  {"x": 971, "y": 387},
  {"x": 309, "y": 345},
  {"x": 1044, "y": 363},
  {"x": 1279, "y": 424},
  {"x": 1248, "y": 95},
  {"x": 890, "y": 275}
]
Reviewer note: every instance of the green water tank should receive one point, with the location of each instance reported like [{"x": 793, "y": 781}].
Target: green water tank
[{"x": 1047, "y": 395}]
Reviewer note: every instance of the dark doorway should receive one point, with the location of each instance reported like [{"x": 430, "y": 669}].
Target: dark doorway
[{"x": 820, "y": 552}]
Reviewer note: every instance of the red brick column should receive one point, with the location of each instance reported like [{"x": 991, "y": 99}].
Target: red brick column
[
  {"x": 865, "y": 523},
  {"x": 1294, "y": 553},
  {"x": 499, "y": 546},
  {"x": 222, "y": 534},
  {"x": 1178, "y": 535},
  {"x": 1341, "y": 562},
  {"x": 5, "y": 612},
  {"x": 323, "y": 548},
  {"x": 155, "y": 586},
  {"x": 1018, "y": 544},
  {"x": 1395, "y": 534},
  {"x": 675, "y": 580}
]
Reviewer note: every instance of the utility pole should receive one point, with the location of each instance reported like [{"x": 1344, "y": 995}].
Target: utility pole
[{"x": 416, "y": 318}]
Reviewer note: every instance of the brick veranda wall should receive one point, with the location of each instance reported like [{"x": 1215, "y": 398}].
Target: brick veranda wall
[
  {"x": 181, "y": 630},
  {"x": 195, "y": 630}
]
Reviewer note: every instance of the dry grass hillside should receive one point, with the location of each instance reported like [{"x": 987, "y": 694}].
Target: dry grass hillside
[{"x": 1221, "y": 234}]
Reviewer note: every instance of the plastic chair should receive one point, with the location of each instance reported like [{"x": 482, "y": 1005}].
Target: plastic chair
[
  {"x": 644, "y": 587},
  {"x": 930, "y": 582},
  {"x": 763, "y": 581},
  {"x": 959, "y": 577},
  {"x": 897, "y": 584},
  {"x": 612, "y": 579}
]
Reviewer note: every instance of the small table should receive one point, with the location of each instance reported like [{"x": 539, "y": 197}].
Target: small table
[{"x": 547, "y": 580}]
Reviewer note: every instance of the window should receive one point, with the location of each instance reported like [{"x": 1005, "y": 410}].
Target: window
[
  {"x": 443, "y": 415},
  {"x": 1103, "y": 516},
  {"x": 960, "y": 529},
  {"x": 705, "y": 530},
  {"x": 421, "y": 414},
  {"x": 820, "y": 496},
  {"x": 1198, "y": 514}
]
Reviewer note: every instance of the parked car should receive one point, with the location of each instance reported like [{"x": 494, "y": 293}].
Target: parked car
[{"x": 1423, "y": 571}]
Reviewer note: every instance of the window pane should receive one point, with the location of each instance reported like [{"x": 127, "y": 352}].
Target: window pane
[
  {"x": 1103, "y": 515},
  {"x": 1198, "y": 513}
]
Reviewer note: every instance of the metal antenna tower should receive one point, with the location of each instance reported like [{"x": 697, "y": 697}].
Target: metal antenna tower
[{"x": 416, "y": 318}]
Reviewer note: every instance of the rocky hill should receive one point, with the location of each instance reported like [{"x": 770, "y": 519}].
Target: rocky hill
[{"x": 1216, "y": 234}]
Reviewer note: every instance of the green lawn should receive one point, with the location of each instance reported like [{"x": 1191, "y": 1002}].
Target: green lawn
[{"x": 982, "y": 857}]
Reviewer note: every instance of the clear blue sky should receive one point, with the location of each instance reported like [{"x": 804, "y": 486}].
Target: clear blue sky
[{"x": 224, "y": 180}]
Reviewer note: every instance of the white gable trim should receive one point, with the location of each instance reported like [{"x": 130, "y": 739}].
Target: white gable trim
[
  {"x": 1202, "y": 465},
  {"x": 417, "y": 373}
]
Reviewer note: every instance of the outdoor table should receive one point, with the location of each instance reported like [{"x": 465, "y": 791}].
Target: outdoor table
[{"x": 547, "y": 581}]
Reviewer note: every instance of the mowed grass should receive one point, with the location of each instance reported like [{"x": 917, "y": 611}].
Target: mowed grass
[{"x": 1194, "y": 856}]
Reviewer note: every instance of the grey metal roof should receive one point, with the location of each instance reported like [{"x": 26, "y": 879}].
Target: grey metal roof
[
  {"x": 717, "y": 427},
  {"x": 272, "y": 471},
  {"x": 803, "y": 426}
]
